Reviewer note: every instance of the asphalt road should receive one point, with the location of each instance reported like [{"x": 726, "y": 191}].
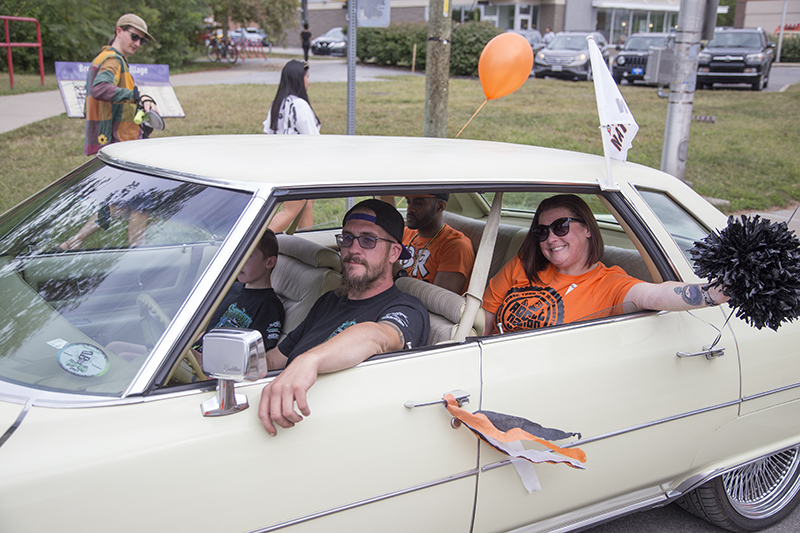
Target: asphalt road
[{"x": 673, "y": 519}]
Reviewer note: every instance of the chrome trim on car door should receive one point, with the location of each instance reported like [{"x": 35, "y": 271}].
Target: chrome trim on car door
[
  {"x": 582, "y": 442},
  {"x": 382, "y": 497},
  {"x": 769, "y": 392}
]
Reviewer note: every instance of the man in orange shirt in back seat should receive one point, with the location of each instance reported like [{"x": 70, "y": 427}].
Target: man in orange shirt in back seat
[{"x": 439, "y": 254}]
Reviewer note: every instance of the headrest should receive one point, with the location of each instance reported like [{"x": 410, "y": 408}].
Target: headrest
[{"x": 308, "y": 252}]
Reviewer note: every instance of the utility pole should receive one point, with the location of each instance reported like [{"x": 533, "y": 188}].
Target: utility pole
[
  {"x": 437, "y": 69},
  {"x": 352, "y": 22},
  {"x": 681, "y": 89}
]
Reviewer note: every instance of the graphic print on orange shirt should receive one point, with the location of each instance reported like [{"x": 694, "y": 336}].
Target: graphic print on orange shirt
[{"x": 526, "y": 308}]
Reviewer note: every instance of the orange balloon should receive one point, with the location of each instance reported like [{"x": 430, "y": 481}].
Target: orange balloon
[{"x": 505, "y": 64}]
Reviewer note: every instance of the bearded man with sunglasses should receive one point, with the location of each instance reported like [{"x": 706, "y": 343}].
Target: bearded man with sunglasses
[
  {"x": 367, "y": 315},
  {"x": 111, "y": 94},
  {"x": 557, "y": 277}
]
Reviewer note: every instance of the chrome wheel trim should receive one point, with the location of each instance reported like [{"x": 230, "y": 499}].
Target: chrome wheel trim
[{"x": 764, "y": 487}]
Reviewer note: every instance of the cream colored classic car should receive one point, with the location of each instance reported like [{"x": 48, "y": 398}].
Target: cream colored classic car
[{"x": 95, "y": 440}]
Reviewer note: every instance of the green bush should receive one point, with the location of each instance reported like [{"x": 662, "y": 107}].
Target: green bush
[
  {"x": 790, "y": 51},
  {"x": 393, "y": 45},
  {"x": 468, "y": 41}
]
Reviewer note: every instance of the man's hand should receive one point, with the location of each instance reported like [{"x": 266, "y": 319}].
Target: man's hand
[
  {"x": 345, "y": 350},
  {"x": 278, "y": 398}
]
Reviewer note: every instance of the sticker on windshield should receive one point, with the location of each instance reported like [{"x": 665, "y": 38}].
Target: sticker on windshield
[
  {"x": 83, "y": 360},
  {"x": 57, "y": 343}
]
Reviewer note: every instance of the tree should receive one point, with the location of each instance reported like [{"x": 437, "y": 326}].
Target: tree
[
  {"x": 274, "y": 16},
  {"x": 726, "y": 19},
  {"x": 76, "y": 30}
]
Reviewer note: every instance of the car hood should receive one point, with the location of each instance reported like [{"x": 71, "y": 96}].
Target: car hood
[
  {"x": 731, "y": 51},
  {"x": 564, "y": 53},
  {"x": 319, "y": 40}
]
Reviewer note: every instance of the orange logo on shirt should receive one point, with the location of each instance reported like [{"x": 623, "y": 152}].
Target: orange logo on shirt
[{"x": 530, "y": 307}]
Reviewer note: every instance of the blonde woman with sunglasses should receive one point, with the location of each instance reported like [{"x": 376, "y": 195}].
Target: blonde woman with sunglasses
[{"x": 557, "y": 277}]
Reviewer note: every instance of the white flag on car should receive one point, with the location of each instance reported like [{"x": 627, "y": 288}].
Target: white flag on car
[{"x": 617, "y": 125}]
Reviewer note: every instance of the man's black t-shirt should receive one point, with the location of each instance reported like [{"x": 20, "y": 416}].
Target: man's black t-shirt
[
  {"x": 331, "y": 315},
  {"x": 258, "y": 309}
]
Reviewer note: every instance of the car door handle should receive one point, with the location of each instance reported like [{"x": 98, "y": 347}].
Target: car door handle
[
  {"x": 710, "y": 353},
  {"x": 460, "y": 396}
]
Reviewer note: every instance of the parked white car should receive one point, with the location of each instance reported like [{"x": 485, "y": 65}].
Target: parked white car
[{"x": 92, "y": 441}]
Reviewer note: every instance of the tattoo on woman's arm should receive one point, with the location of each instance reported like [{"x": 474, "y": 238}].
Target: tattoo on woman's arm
[{"x": 691, "y": 294}]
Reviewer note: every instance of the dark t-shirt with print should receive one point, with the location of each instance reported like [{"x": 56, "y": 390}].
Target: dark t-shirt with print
[
  {"x": 258, "y": 309},
  {"x": 331, "y": 315}
]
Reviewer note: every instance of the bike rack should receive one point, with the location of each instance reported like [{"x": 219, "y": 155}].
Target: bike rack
[
  {"x": 8, "y": 45},
  {"x": 250, "y": 50}
]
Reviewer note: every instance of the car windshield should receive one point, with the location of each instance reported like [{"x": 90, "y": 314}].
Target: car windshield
[
  {"x": 642, "y": 44},
  {"x": 735, "y": 40},
  {"x": 569, "y": 42},
  {"x": 335, "y": 33},
  {"x": 79, "y": 261}
]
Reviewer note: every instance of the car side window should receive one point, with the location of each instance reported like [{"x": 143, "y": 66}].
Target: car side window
[{"x": 683, "y": 227}]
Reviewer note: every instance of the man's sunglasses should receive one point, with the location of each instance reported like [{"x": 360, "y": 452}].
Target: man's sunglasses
[
  {"x": 136, "y": 38},
  {"x": 367, "y": 242},
  {"x": 559, "y": 226}
]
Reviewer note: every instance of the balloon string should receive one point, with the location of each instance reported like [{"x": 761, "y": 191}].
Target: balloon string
[
  {"x": 473, "y": 116},
  {"x": 719, "y": 336}
]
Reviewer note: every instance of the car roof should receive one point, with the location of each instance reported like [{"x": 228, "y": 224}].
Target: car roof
[
  {"x": 255, "y": 161},
  {"x": 738, "y": 30},
  {"x": 650, "y": 34}
]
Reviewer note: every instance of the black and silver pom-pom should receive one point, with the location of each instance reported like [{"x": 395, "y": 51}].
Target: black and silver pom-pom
[{"x": 757, "y": 262}]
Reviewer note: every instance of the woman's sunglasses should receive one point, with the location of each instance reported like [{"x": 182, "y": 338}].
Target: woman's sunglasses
[{"x": 559, "y": 226}]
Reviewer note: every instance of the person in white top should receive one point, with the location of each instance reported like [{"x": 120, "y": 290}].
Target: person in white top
[{"x": 291, "y": 114}]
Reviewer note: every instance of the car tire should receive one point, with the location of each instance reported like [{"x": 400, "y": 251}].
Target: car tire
[
  {"x": 589, "y": 75},
  {"x": 759, "y": 83},
  {"x": 752, "y": 497},
  {"x": 538, "y": 75},
  {"x": 618, "y": 80}
]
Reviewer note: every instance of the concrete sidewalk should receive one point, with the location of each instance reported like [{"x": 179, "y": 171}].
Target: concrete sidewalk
[{"x": 21, "y": 109}]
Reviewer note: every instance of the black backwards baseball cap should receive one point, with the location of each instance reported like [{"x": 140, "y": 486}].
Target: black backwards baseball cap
[
  {"x": 386, "y": 216},
  {"x": 441, "y": 196}
]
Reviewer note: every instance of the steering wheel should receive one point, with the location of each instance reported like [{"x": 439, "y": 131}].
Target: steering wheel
[
  {"x": 154, "y": 322},
  {"x": 187, "y": 369},
  {"x": 152, "y": 318}
]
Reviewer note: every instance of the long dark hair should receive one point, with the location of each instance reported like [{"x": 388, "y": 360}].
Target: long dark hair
[
  {"x": 533, "y": 260},
  {"x": 292, "y": 83}
]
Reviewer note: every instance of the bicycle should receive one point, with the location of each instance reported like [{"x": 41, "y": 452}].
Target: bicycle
[{"x": 217, "y": 50}]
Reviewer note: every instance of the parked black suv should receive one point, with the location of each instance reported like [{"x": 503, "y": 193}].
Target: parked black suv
[
  {"x": 630, "y": 63},
  {"x": 736, "y": 56}
]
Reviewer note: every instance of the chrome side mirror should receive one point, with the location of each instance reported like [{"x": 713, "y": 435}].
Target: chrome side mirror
[{"x": 231, "y": 355}]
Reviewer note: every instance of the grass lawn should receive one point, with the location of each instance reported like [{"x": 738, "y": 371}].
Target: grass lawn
[{"x": 746, "y": 157}]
